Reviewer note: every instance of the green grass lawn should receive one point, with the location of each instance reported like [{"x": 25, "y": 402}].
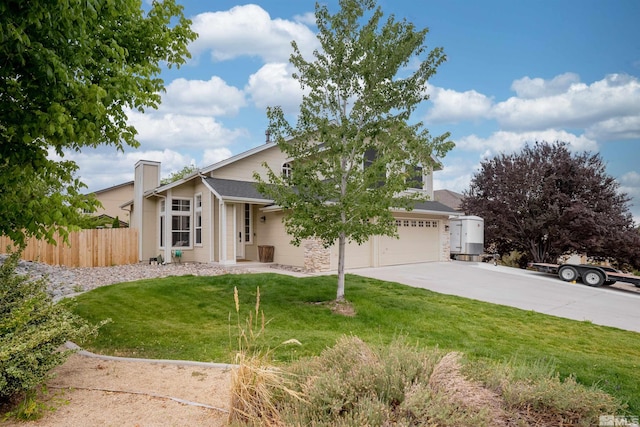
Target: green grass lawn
[{"x": 195, "y": 318}]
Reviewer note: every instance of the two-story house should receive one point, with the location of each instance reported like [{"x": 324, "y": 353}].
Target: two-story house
[{"x": 217, "y": 215}]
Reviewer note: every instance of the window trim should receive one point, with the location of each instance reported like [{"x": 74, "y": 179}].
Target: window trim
[
  {"x": 247, "y": 223},
  {"x": 286, "y": 171},
  {"x": 182, "y": 213},
  {"x": 197, "y": 219}
]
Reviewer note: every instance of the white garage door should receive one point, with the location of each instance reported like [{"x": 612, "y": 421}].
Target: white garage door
[{"x": 419, "y": 242}]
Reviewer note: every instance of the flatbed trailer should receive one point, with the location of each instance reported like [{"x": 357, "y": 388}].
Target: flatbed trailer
[{"x": 592, "y": 275}]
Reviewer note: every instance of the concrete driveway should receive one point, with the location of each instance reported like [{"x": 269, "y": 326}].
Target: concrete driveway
[{"x": 528, "y": 290}]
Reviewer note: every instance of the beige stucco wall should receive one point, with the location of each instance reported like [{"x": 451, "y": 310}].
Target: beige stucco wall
[
  {"x": 243, "y": 169},
  {"x": 272, "y": 232}
]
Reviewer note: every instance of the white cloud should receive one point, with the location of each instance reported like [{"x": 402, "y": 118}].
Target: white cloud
[
  {"x": 579, "y": 106},
  {"x": 529, "y": 88},
  {"x": 509, "y": 142},
  {"x": 181, "y": 131},
  {"x": 308, "y": 18},
  {"x": 273, "y": 85},
  {"x": 199, "y": 97},
  {"x": 616, "y": 128},
  {"x": 450, "y": 106},
  {"x": 630, "y": 184},
  {"x": 249, "y": 30},
  {"x": 214, "y": 155}
]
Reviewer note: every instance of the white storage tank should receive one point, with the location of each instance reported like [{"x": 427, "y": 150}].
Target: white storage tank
[{"x": 467, "y": 237}]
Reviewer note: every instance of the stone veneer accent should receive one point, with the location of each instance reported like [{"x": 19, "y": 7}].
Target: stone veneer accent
[
  {"x": 317, "y": 258},
  {"x": 445, "y": 238}
]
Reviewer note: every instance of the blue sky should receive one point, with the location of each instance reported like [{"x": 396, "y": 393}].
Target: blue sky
[{"x": 516, "y": 72}]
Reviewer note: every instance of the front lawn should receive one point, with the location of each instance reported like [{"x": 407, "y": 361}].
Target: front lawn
[{"x": 194, "y": 318}]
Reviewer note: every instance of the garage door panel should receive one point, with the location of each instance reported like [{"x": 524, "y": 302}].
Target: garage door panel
[
  {"x": 355, "y": 256},
  {"x": 419, "y": 241}
]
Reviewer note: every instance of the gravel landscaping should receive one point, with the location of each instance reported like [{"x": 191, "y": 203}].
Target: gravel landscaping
[{"x": 63, "y": 281}]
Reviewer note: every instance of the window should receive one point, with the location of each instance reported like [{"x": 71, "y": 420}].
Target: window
[
  {"x": 180, "y": 223},
  {"x": 434, "y": 224},
  {"x": 369, "y": 157},
  {"x": 248, "y": 234},
  {"x": 198, "y": 219},
  {"x": 287, "y": 170},
  {"x": 416, "y": 179}
]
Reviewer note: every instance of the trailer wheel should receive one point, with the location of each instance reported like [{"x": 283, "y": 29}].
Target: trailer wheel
[
  {"x": 568, "y": 273},
  {"x": 593, "y": 278}
]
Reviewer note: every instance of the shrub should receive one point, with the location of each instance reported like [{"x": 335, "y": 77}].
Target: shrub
[{"x": 32, "y": 330}]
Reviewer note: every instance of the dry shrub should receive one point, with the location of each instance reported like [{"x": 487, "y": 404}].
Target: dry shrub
[{"x": 534, "y": 394}]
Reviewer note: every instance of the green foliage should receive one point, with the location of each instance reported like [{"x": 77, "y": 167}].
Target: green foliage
[
  {"x": 188, "y": 318},
  {"x": 32, "y": 329},
  {"x": 29, "y": 407},
  {"x": 512, "y": 259},
  {"x": 185, "y": 171},
  {"x": 116, "y": 222},
  {"x": 361, "y": 95},
  {"x": 71, "y": 70}
]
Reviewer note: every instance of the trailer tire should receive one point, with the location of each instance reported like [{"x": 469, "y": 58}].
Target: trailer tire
[
  {"x": 568, "y": 273},
  {"x": 594, "y": 278}
]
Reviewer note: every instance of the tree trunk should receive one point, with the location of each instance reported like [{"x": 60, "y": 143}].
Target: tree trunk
[{"x": 342, "y": 240}]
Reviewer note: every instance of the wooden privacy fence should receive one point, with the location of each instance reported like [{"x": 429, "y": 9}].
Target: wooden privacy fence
[{"x": 87, "y": 248}]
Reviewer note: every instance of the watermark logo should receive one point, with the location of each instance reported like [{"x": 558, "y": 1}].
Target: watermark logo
[{"x": 618, "y": 421}]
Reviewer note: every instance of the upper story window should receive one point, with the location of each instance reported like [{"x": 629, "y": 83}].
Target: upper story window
[
  {"x": 416, "y": 180},
  {"x": 287, "y": 170}
]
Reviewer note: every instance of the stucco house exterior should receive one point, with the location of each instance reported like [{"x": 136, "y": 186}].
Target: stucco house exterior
[{"x": 217, "y": 216}]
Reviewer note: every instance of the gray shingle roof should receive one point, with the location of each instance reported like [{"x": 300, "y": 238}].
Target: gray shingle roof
[
  {"x": 431, "y": 205},
  {"x": 229, "y": 188}
]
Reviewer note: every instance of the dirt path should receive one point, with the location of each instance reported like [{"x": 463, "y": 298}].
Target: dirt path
[{"x": 93, "y": 392}]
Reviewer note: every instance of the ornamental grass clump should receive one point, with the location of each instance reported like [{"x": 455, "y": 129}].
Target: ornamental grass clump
[{"x": 257, "y": 386}]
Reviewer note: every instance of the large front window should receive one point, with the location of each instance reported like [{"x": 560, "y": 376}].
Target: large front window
[{"x": 180, "y": 223}]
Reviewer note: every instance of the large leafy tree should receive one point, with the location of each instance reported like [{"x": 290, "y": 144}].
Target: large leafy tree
[
  {"x": 69, "y": 72},
  {"x": 546, "y": 201},
  {"x": 354, "y": 152}
]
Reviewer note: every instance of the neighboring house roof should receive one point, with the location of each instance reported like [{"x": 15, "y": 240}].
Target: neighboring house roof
[
  {"x": 448, "y": 198},
  {"x": 124, "y": 184},
  {"x": 434, "y": 207}
]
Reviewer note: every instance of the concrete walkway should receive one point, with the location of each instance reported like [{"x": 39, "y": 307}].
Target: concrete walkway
[{"x": 528, "y": 290}]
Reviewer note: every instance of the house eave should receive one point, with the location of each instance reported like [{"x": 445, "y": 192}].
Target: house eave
[{"x": 238, "y": 157}]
